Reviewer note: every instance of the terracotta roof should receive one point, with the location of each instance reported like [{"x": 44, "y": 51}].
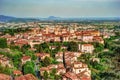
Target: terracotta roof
[
  {"x": 57, "y": 35},
  {"x": 30, "y": 77},
  {"x": 17, "y": 72},
  {"x": 4, "y": 77},
  {"x": 34, "y": 38},
  {"x": 78, "y": 34},
  {"x": 41, "y": 54},
  {"x": 44, "y": 69},
  {"x": 53, "y": 46},
  {"x": 83, "y": 74},
  {"x": 95, "y": 31},
  {"x": 98, "y": 38},
  {"x": 60, "y": 65},
  {"x": 87, "y": 44},
  {"x": 71, "y": 75},
  {"x": 37, "y": 54},
  {"x": 49, "y": 35},
  {"x": 26, "y": 77},
  {"x": 26, "y": 57},
  {"x": 86, "y": 34},
  {"x": 78, "y": 62},
  {"x": 51, "y": 66},
  {"x": 21, "y": 42},
  {"x": 85, "y": 78}
]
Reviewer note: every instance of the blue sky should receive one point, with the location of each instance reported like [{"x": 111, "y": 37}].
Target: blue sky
[{"x": 60, "y": 8}]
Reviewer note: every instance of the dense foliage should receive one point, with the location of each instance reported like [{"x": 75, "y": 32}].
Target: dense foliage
[
  {"x": 3, "y": 43},
  {"x": 29, "y": 68}
]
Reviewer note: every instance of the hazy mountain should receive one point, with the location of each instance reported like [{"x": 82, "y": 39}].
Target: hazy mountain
[
  {"x": 53, "y": 18},
  {"x": 6, "y": 18},
  {"x": 14, "y": 19}
]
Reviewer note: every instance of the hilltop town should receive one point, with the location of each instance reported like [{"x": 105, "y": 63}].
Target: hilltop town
[{"x": 59, "y": 51}]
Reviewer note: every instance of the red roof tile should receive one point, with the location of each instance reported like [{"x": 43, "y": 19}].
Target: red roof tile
[
  {"x": 17, "y": 72},
  {"x": 4, "y": 77},
  {"x": 26, "y": 77},
  {"x": 71, "y": 75},
  {"x": 26, "y": 58}
]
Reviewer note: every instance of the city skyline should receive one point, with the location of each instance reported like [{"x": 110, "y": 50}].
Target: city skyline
[{"x": 61, "y": 8}]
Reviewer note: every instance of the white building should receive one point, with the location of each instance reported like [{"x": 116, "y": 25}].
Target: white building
[
  {"x": 86, "y": 48},
  {"x": 87, "y": 38}
]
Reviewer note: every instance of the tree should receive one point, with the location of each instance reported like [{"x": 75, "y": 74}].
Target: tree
[
  {"x": 53, "y": 72},
  {"x": 38, "y": 48},
  {"x": 11, "y": 32},
  {"x": 3, "y": 43},
  {"x": 53, "y": 52},
  {"x": 13, "y": 47},
  {"x": 25, "y": 47},
  {"x": 53, "y": 61},
  {"x": 5, "y": 70},
  {"x": 45, "y": 75},
  {"x": 95, "y": 76},
  {"x": 72, "y": 46},
  {"x": 85, "y": 58},
  {"x": 47, "y": 61},
  {"x": 58, "y": 77},
  {"x": 29, "y": 68},
  {"x": 98, "y": 46},
  {"x": 106, "y": 54},
  {"x": 16, "y": 58},
  {"x": 109, "y": 75},
  {"x": 31, "y": 54},
  {"x": 44, "y": 45},
  {"x": 117, "y": 50}
]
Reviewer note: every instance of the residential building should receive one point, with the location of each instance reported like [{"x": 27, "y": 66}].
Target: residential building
[
  {"x": 86, "y": 48},
  {"x": 70, "y": 76},
  {"x": 26, "y": 77},
  {"x": 25, "y": 59}
]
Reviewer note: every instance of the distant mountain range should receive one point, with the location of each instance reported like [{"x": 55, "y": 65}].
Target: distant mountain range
[
  {"x": 4, "y": 18},
  {"x": 14, "y": 19}
]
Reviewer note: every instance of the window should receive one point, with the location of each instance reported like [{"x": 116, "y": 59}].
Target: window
[{"x": 79, "y": 70}]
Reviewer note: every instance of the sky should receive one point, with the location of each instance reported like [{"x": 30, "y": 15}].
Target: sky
[{"x": 60, "y": 8}]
